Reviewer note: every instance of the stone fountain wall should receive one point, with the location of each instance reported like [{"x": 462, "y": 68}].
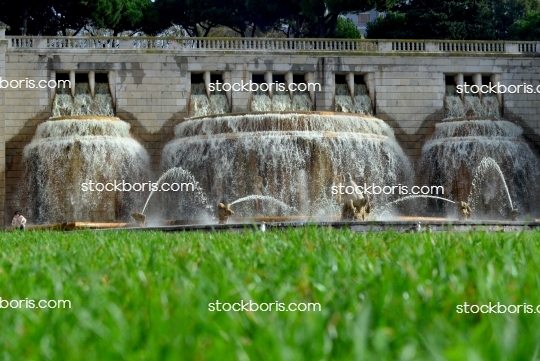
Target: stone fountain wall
[
  {"x": 3, "y": 48},
  {"x": 152, "y": 90}
]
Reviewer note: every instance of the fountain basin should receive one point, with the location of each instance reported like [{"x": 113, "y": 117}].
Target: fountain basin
[
  {"x": 69, "y": 151},
  {"x": 294, "y": 157},
  {"x": 458, "y": 147}
]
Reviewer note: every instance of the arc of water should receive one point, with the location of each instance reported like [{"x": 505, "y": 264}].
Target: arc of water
[
  {"x": 179, "y": 172},
  {"x": 415, "y": 196},
  {"x": 264, "y": 198},
  {"x": 485, "y": 163}
]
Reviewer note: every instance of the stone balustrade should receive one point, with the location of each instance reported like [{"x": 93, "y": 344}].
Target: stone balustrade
[{"x": 25, "y": 43}]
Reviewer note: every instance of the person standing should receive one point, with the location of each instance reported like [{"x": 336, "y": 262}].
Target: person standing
[{"x": 18, "y": 222}]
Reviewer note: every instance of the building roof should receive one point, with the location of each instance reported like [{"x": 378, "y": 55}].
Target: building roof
[{"x": 3, "y": 24}]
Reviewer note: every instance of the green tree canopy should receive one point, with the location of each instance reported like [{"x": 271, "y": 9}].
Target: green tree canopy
[
  {"x": 450, "y": 19},
  {"x": 346, "y": 29},
  {"x": 120, "y": 15},
  {"x": 415, "y": 19},
  {"x": 526, "y": 29}
]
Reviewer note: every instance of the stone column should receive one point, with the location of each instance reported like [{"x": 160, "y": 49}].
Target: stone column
[
  {"x": 240, "y": 100},
  {"x": 227, "y": 78},
  {"x": 3, "y": 50},
  {"x": 459, "y": 80},
  {"x": 369, "y": 79},
  {"x": 497, "y": 78},
  {"x": 324, "y": 75},
  {"x": 477, "y": 80}
]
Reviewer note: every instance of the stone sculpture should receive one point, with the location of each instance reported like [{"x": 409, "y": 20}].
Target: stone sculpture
[
  {"x": 224, "y": 212},
  {"x": 139, "y": 218},
  {"x": 464, "y": 211},
  {"x": 514, "y": 214},
  {"x": 356, "y": 206}
]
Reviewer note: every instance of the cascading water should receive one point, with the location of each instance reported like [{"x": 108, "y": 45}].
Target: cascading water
[
  {"x": 201, "y": 105},
  {"x": 361, "y": 104},
  {"x": 263, "y": 198},
  {"x": 490, "y": 194},
  {"x": 71, "y": 150},
  {"x": 192, "y": 196},
  {"x": 281, "y": 101},
  {"x": 471, "y": 105},
  {"x": 292, "y": 157},
  {"x": 457, "y": 149},
  {"x": 83, "y": 103}
]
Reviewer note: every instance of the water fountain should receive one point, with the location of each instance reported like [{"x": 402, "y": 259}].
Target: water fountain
[
  {"x": 82, "y": 142},
  {"x": 459, "y": 146},
  {"x": 192, "y": 197},
  {"x": 360, "y": 103},
  {"x": 201, "y": 104},
  {"x": 297, "y": 155},
  {"x": 471, "y": 105},
  {"x": 281, "y": 101}
]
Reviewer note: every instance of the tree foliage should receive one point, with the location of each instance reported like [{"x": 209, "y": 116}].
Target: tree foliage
[
  {"x": 450, "y": 19},
  {"x": 120, "y": 15},
  {"x": 415, "y": 19},
  {"x": 346, "y": 29},
  {"x": 526, "y": 29}
]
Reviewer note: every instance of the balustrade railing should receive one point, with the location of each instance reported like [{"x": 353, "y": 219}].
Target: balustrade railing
[
  {"x": 472, "y": 46},
  {"x": 24, "y": 43}
]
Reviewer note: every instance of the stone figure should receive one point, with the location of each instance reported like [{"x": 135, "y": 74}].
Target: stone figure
[
  {"x": 356, "y": 206},
  {"x": 514, "y": 214},
  {"x": 139, "y": 218},
  {"x": 224, "y": 212},
  {"x": 348, "y": 211},
  {"x": 347, "y": 184},
  {"x": 363, "y": 207},
  {"x": 464, "y": 211}
]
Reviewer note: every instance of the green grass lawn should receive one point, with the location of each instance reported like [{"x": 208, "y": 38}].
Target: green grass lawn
[{"x": 384, "y": 296}]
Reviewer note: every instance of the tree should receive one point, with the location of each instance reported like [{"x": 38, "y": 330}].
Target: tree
[
  {"x": 265, "y": 15},
  {"x": 66, "y": 15},
  {"x": 449, "y": 19},
  {"x": 323, "y": 14},
  {"x": 391, "y": 26},
  {"x": 25, "y": 17},
  {"x": 346, "y": 29},
  {"x": 120, "y": 15},
  {"x": 505, "y": 13},
  {"x": 197, "y": 17},
  {"x": 526, "y": 29}
]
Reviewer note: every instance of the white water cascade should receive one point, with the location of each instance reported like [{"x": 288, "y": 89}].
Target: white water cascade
[
  {"x": 83, "y": 103},
  {"x": 360, "y": 104},
  {"x": 471, "y": 105},
  {"x": 80, "y": 148},
  {"x": 458, "y": 148},
  {"x": 281, "y": 101},
  {"x": 201, "y": 105},
  {"x": 292, "y": 157}
]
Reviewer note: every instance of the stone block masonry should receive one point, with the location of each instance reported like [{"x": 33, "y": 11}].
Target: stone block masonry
[{"x": 152, "y": 86}]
